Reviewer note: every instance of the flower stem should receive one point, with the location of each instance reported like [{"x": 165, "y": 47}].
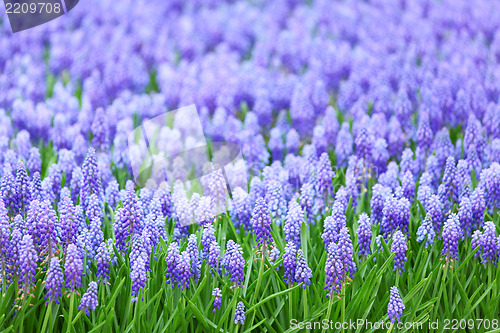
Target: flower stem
[
  {"x": 47, "y": 316},
  {"x": 71, "y": 305},
  {"x": 305, "y": 304},
  {"x": 343, "y": 307},
  {"x": 330, "y": 302},
  {"x": 259, "y": 280}
]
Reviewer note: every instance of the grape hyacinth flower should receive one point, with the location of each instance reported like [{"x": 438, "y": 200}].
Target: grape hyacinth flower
[
  {"x": 194, "y": 254},
  {"x": 275, "y": 201},
  {"x": 333, "y": 224},
  {"x": 364, "y": 234},
  {"x": 27, "y": 262},
  {"x": 41, "y": 225},
  {"x": 408, "y": 184},
  {"x": 307, "y": 196},
  {"x": 138, "y": 275},
  {"x": 290, "y": 262},
  {"x": 89, "y": 300},
  {"x": 172, "y": 259},
  {"x": 103, "y": 259},
  {"x": 333, "y": 270},
  {"x": 73, "y": 267},
  {"x": 34, "y": 163},
  {"x": 476, "y": 242},
  {"x": 239, "y": 314},
  {"x": 213, "y": 258},
  {"x": 67, "y": 221},
  {"x": 4, "y": 237},
  {"x": 426, "y": 231},
  {"x": 128, "y": 221},
  {"x": 36, "y": 187},
  {"x": 54, "y": 281},
  {"x": 379, "y": 195},
  {"x": 396, "y": 306},
  {"x": 183, "y": 270},
  {"x": 451, "y": 234},
  {"x": 302, "y": 272},
  {"x": 325, "y": 177},
  {"x": 13, "y": 251},
  {"x": 207, "y": 237},
  {"x": 478, "y": 206},
  {"x": 435, "y": 211},
  {"x": 8, "y": 189},
  {"x": 112, "y": 193},
  {"x": 234, "y": 262},
  {"x": 91, "y": 183},
  {"x": 274, "y": 254},
  {"x": 204, "y": 212},
  {"x": 96, "y": 237},
  {"x": 261, "y": 222},
  {"x": 399, "y": 247},
  {"x": 293, "y": 222},
  {"x": 346, "y": 252},
  {"x": 489, "y": 244},
  {"x": 23, "y": 187},
  {"x": 241, "y": 209},
  {"x": 217, "y": 299}
]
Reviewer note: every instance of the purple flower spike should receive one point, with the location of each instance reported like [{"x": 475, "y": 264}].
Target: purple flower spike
[
  {"x": 214, "y": 259},
  {"x": 13, "y": 252},
  {"x": 325, "y": 176},
  {"x": 91, "y": 181},
  {"x": 346, "y": 252},
  {"x": 239, "y": 314},
  {"x": 234, "y": 262},
  {"x": 489, "y": 243},
  {"x": 103, "y": 258},
  {"x": 217, "y": 300},
  {"x": 23, "y": 187},
  {"x": 34, "y": 163},
  {"x": 27, "y": 262},
  {"x": 73, "y": 268},
  {"x": 207, "y": 237},
  {"x": 138, "y": 276},
  {"x": 379, "y": 195},
  {"x": 399, "y": 247},
  {"x": 435, "y": 211},
  {"x": 364, "y": 235},
  {"x": 396, "y": 306},
  {"x": 426, "y": 231},
  {"x": 4, "y": 233},
  {"x": 67, "y": 221},
  {"x": 36, "y": 187},
  {"x": 128, "y": 221},
  {"x": 275, "y": 200},
  {"x": 89, "y": 299},
  {"x": 9, "y": 192},
  {"x": 172, "y": 259},
  {"x": 333, "y": 270},
  {"x": 451, "y": 234},
  {"x": 476, "y": 242},
  {"x": 408, "y": 184},
  {"x": 183, "y": 271},
  {"x": 302, "y": 273},
  {"x": 290, "y": 262},
  {"x": 294, "y": 219},
  {"x": 54, "y": 281},
  {"x": 194, "y": 254},
  {"x": 261, "y": 222}
]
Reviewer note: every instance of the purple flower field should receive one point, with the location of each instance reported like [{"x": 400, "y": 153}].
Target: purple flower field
[{"x": 349, "y": 168}]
